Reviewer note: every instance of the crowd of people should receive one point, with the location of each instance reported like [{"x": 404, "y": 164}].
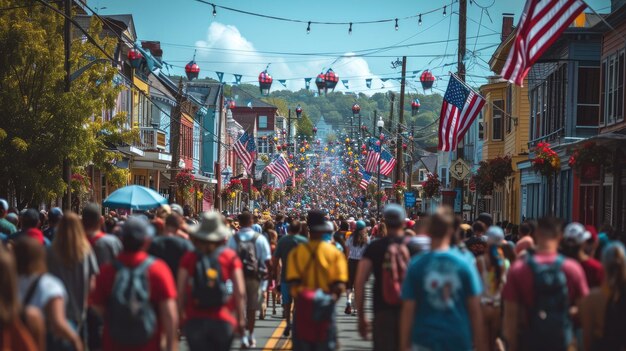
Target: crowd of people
[{"x": 146, "y": 281}]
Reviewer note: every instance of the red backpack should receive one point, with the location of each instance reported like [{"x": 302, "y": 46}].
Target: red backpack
[{"x": 395, "y": 265}]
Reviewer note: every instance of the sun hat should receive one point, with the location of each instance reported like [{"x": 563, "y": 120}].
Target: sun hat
[
  {"x": 211, "y": 228},
  {"x": 576, "y": 232}
]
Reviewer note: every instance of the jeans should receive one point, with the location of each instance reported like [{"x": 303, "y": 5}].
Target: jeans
[
  {"x": 208, "y": 334},
  {"x": 386, "y": 329}
]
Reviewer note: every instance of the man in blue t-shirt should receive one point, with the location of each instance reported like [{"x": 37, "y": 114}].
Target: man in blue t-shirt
[{"x": 441, "y": 296}]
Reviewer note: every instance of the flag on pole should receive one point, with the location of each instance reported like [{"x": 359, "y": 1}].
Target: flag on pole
[
  {"x": 366, "y": 178},
  {"x": 460, "y": 107},
  {"x": 540, "y": 25},
  {"x": 280, "y": 168},
  {"x": 246, "y": 150},
  {"x": 371, "y": 161},
  {"x": 387, "y": 163}
]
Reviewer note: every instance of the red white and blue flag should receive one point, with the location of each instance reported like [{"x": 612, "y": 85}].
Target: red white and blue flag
[
  {"x": 246, "y": 150},
  {"x": 460, "y": 107},
  {"x": 366, "y": 178},
  {"x": 279, "y": 168},
  {"x": 371, "y": 161},
  {"x": 387, "y": 163},
  {"x": 540, "y": 25}
]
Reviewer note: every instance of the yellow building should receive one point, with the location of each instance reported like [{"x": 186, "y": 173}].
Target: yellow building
[{"x": 506, "y": 118}]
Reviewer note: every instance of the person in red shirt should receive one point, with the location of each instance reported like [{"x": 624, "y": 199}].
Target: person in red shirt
[
  {"x": 211, "y": 327},
  {"x": 575, "y": 238},
  {"x": 136, "y": 234}
]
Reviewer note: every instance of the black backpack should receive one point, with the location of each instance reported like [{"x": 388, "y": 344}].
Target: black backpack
[
  {"x": 550, "y": 327},
  {"x": 247, "y": 253},
  {"x": 209, "y": 289},
  {"x": 132, "y": 320}
]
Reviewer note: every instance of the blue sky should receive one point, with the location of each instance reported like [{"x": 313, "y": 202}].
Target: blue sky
[{"x": 238, "y": 43}]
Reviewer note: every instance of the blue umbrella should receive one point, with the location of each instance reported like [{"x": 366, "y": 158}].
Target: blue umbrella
[{"x": 135, "y": 197}]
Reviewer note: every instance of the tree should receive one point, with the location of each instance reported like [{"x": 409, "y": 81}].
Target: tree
[
  {"x": 305, "y": 126},
  {"x": 40, "y": 124}
]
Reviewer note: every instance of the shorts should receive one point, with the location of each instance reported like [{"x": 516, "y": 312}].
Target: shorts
[
  {"x": 285, "y": 292},
  {"x": 253, "y": 294},
  {"x": 352, "y": 267}
]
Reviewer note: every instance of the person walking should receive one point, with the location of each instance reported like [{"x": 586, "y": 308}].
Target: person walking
[
  {"x": 355, "y": 246},
  {"x": 211, "y": 287},
  {"x": 72, "y": 260},
  {"x": 279, "y": 261},
  {"x": 6, "y": 228},
  {"x": 317, "y": 274},
  {"x": 546, "y": 288},
  {"x": 105, "y": 246},
  {"x": 575, "y": 236},
  {"x": 54, "y": 217},
  {"x": 169, "y": 246},
  {"x": 136, "y": 295},
  {"x": 441, "y": 296}
]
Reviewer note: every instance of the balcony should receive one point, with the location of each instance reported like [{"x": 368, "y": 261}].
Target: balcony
[{"x": 151, "y": 138}]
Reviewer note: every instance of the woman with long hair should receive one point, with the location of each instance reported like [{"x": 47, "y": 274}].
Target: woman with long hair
[
  {"x": 355, "y": 246},
  {"x": 603, "y": 311},
  {"x": 38, "y": 288},
  {"x": 20, "y": 329},
  {"x": 493, "y": 267}
]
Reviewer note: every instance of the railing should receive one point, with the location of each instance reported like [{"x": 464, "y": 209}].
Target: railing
[{"x": 151, "y": 138}]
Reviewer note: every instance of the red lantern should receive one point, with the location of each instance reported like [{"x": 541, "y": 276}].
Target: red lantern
[
  {"x": 298, "y": 111},
  {"x": 415, "y": 107},
  {"x": 192, "y": 70},
  {"x": 427, "y": 80},
  {"x": 314, "y": 130},
  {"x": 265, "y": 82},
  {"x": 364, "y": 152},
  {"x": 356, "y": 109},
  {"x": 290, "y": 156},
  {"x": 404, "y": 146},
  {"x": 135, "y": 57},
  {"x": 331, "y": 80},
  {"x": 278, "y": 147},
  {"x": 231, "y": 104},
  {"x": 320, "y": 82},
  {"x": 363, "y": 146}
]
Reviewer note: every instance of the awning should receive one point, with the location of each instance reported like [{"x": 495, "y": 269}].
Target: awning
[{"x": 202, "y": 179}]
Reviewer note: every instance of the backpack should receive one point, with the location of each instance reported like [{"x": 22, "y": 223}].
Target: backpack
[
  {"x": 395, "y": 264},
  {"x": 549, "y": 325},
  {"x": 132, "y": 320},
  {"x": 208, "y": 287},
  {"x": 247, "y": 253}
]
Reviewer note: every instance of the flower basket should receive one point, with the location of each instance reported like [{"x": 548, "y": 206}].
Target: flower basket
[
  {"x": 184, "y": 179},
  {"x": 588, "y": 159},
  {"x": 500, "y": 168},
  {"x": 399, "y": 187},
  {"x": 235, "y": 185},
  {"x": 431, "y": 186},
  {"x": 483, "y": 179},
  {"x": 546, "y": 160}
]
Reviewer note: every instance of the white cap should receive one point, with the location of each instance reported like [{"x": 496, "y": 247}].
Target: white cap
[
  {"x": 577, "y": 232},
  {"x": 495, "y": 234}
]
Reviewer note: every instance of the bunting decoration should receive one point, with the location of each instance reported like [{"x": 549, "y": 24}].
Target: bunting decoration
[
  {"x": 345, "y": 83},
  {"x": 220, "y": 76},
  {"x": 237, "y": 79},
  {"x": 307, "y": 83},
  {"x": 283, "y": 82}
]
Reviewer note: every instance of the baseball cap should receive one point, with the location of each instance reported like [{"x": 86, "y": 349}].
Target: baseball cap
[
  {"x": 360, "y": 225},
  {"x": 495, "y": 235},
  {"x": 4, "y": 205},
  {"x": 394, "y": 215},
  {"x": 576, "y": 232},
  {"x": 137, "y": 227},
  {"x": 55, "y": 214},
  {"x": 177, "y": 208}
]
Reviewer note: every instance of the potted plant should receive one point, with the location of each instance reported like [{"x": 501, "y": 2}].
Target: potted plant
[
  {"x": 483, "y": 179},
  {"x": 399, "y": 187},
  {"x": 546, "y": 160},
  {"x": 500, "y": 168},
  {"x": 431, "y": 186},
  {"x": 588, "y": 158}
]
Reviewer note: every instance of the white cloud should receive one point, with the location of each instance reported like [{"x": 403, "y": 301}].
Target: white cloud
[{"x": 236, "y": 54}]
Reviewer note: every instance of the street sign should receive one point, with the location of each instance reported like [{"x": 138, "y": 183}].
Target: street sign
[
  {"x": 409, "y": 199},
  {"x": 459, "y": 169},
  {"x": 472, "y": 185}
]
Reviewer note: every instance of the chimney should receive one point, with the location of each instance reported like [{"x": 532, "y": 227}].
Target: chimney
[
  {"x": 155, "y": 49},
  {"x": 507, "y": 25}
]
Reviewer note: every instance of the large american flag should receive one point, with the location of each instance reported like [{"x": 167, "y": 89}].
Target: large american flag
[
  {"x": 387, "y": 163},
  {"x": 371, "y": 161},
  {"x": 366, "y": 178},
  {"x": 280, "y": 168},
  {"x": 541, "y": 23},
  {"x": 246, "y": 150},
  {"x": 460, "y": 107}
]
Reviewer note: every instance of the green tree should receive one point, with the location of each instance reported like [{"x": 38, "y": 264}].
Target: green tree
[
  {"x": 40, "y": 124},
  {"x": 305, "y": 126}
]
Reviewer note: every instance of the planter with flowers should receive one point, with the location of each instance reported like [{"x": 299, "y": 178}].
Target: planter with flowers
[
  {"x": 184, "y": 181},
  {"x": 399, "y": 187},
  {"x": 431, "y": 186},
  {"x": 588, "y": 159},
  {"x": 235, "y": 185},
  {"x": 483, "y": 179},
  {"x": 546, "y": 160},
  {"x": 500, "y": 168}
]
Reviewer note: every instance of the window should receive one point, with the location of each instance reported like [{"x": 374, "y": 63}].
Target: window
[
  {"x": 588, "y": 104},
  {"x": 603, "y": 93},
  {"x": 481, "y": 130},
  {"x": 498, "y": 111},
  {"x": 547, "y": 102},
  {"x": 509, "y": 107},
  {"x": 422, "y": 176},
  {"x": 262, "y": 122},
  {"x": 139, "y": 180},
  {"x": 444, "y": 177},
  {"x": 612, "y": 89},
  {"x": 264, "y": 146}
]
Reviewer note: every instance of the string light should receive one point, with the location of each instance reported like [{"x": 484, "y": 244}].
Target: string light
[
  {"x": 214, "y": 11},
  {"x": 308, "y": 28},
  {"x": 350, "y": 29},
  {"x": 444, "y": 10},
  {"x": 419, "y": 21},
  {"x": 397, "y": 24}
]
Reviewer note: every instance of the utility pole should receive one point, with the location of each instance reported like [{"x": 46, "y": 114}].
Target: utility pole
[
  {"x": 374, "y": 122},
  {"x": 399, "y": 155},
  {"x": 67, "y": 48},
  {"x": 461, "y": 75},
  {"x": 288, "y": 129},
  {"x": 393, "y": 99},
  {"x": 175, "y": 140}
]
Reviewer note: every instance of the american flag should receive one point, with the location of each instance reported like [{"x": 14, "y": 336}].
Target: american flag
[
  {"x": 460, "y": 107},
  {"x": 387, "y": 163},
  {"x": 371, "y": 161},
  {"x": 541, "y": 23},
  {"x": 280, "y": 168},
  {"x": 246, "y": 150},
  {"x": 366, "y": 178}
]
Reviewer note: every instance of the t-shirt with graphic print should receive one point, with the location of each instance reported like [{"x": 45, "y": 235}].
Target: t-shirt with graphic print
[{"x": 440, "y": 282}]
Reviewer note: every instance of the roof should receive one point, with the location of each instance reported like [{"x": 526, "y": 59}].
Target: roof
[
  {"x": 160, "y": 90},
  {"x": 429, "y": 162},
  {"x": 206, "y": 92},
  {"x": 243, "y": 98}
]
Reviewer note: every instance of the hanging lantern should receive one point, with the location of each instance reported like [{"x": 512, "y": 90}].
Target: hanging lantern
[
  {"x": 356, "y": 109},
  {"x": 135, "y": 57},
  {"x": 427, "y": 80},
  {"x": 231, "y": 104},
  {"x": 331, "y": 80},
  {"x": 314, "y": 130},
  {"x": 265, "y": 82},
  {"x": 404, "y": 146},
  {"x": 298, "y": 111},
  {"x": 192, "y": 70},
  {"x": 415, "y": 107},
  {"x": 320, "y": 82}
]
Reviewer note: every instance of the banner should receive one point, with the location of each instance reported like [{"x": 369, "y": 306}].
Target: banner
[
  {"x": 237, "y": 79},
  {"x": 220, "y": 76},
  {"x": 307, "y": 83}
]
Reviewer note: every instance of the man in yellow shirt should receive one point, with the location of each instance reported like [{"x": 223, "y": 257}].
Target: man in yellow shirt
[{"x": 317, "y": 273}]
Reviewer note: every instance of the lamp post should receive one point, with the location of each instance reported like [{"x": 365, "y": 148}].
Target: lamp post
[
  {"x": 380, "y": 124},
  {"x": 356, "y": 112}
]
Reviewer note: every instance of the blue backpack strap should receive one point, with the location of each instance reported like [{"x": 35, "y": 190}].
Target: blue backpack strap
[{"x": 143, "y": 266}]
